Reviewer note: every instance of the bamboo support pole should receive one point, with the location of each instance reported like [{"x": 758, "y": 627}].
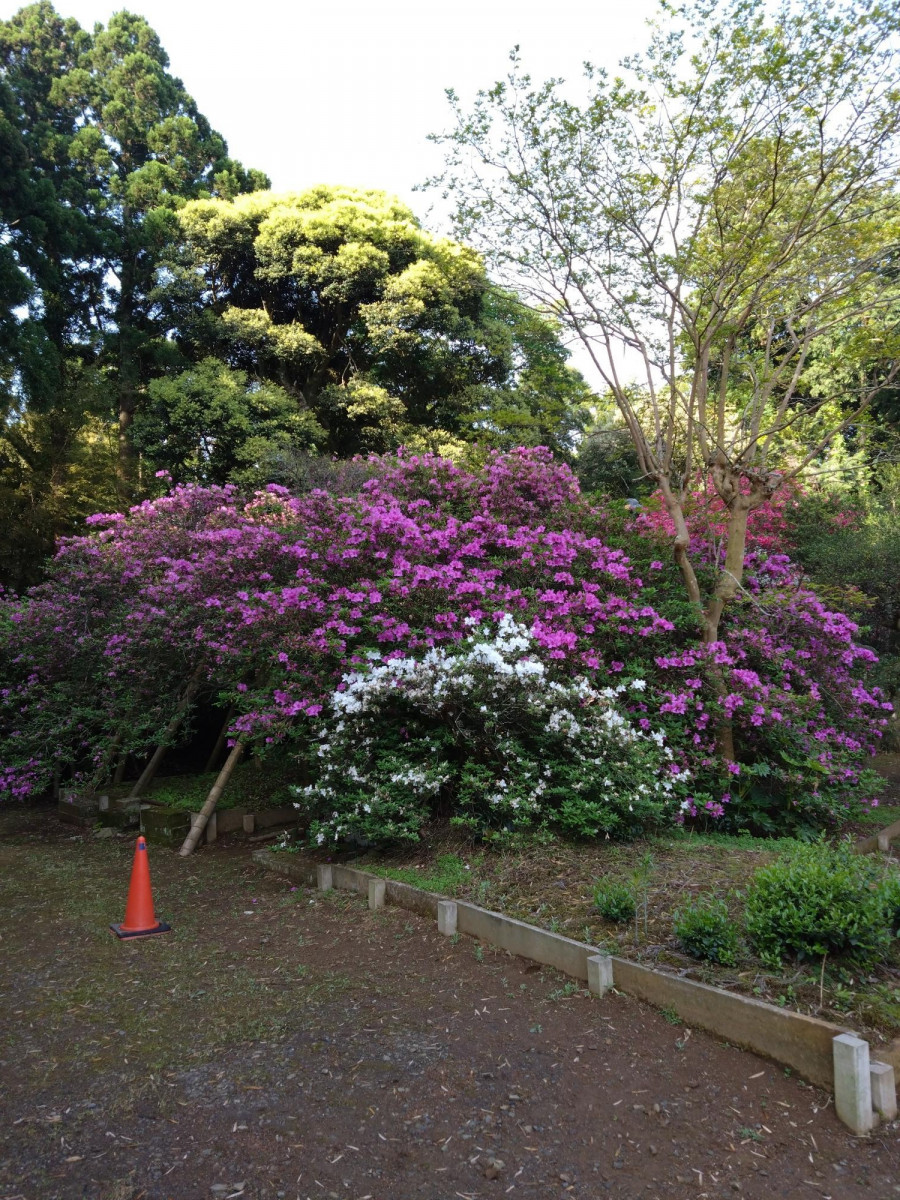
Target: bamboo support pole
[
  {"x": 196, "y": 832},
  {"x": 148, "y": 773}
]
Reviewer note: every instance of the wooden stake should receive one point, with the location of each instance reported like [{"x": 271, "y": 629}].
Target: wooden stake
[{"x": 190, "y": 842}]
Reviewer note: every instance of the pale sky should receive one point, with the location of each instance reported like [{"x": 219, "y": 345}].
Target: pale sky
[{"x": 347, "y": 91}]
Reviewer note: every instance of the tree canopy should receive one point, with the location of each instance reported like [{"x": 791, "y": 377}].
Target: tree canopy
[
  {"x": 99, "y": 145},
  {"x": 382, "y": 332}
]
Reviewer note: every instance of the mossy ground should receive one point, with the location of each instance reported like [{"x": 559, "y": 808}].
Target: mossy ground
[{"x": 253, "y": 785}]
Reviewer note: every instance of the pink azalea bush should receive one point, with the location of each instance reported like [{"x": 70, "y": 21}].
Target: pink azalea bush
[{"x": 278, "y": 604}]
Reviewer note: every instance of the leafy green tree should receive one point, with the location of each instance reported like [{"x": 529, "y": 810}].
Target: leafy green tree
[
  {"x": 209, "y": 424},
  {"x": 380, "y": 331},
  {"x": 545, "y": 401},
  {"x": 53, "y": 454},
  {"x": 723, "y": 212},
  {"x": 99, "y": 145},
  {"x": 145, "y": 148}
]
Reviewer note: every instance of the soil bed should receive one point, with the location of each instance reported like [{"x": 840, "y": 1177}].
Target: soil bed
[{"x": 282, "y": 1043}]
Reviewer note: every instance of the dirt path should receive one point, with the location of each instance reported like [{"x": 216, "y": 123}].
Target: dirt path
[{"x": 283, "y": 1044}]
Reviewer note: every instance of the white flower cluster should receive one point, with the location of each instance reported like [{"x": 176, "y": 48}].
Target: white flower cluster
[{"x": 486, "y": 689}]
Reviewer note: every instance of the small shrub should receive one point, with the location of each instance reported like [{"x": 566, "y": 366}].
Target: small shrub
[
  {"x": 485, "y": 728},
  {"x": 706, "y": 931},
  {"x": 819, "y": 900},
  {"x": 614, "y": 900}
]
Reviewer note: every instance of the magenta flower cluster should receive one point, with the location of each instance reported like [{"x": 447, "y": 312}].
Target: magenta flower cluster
[{"x": 267, "y": 603}]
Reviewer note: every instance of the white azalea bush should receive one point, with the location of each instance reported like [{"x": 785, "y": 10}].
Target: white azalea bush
[{"x": 484, "y": 734}]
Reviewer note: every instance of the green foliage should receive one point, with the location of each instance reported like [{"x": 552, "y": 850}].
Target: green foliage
[
  {"x": 608, "y": 463},
  {"x": 820, "y": 900},
  {"x": 99, "y": 143},
  {"x": 56, "y": 469},
  {"x": 544, "y": 401},
  {"x": 210, "y": 424},
  {"x": 773, "y": 797},
  {"x": 615, "y": 900},
  {"x": 851, "y": 550},
  {"x": 891, "y": 888},
  {"x": 706, "y": 931},
  {"x": 378, "y": 330}
]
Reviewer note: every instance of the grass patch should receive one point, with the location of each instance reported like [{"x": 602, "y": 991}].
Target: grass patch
[
  {"x": 447, "y": 874},
  {"x": 880, "y": 817},
  {"x": 731, "y": 841}
]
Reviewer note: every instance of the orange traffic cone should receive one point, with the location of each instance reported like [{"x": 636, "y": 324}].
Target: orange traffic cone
[{"x": 140, "y": 920}]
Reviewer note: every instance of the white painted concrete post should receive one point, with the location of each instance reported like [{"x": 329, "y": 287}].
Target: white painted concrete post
[
  {"x": 447, "y": 917},
  {"x": 324, "y": 877},
  {"x": 600, "y": 974},
  {"x": 852, "y": 1083},
  {"x": 377, "y": 888},
  {"x": 249, "y": 822},
  {"x": 884, "y": 1090}
]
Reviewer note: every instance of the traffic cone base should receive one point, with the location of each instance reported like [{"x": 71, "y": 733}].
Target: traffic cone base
[
  {"x": 161, "y": 927},
  {"x": 140, "y": 919}
]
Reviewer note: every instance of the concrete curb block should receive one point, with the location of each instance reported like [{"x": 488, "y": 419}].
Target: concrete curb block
[
  {"x": 376, "y": 893},
  {"x": 879, "y": 841},
  {"x": 540, "y": 945},
  {"x": 853, "y": 1083},
  {"x": 600, "y": 974},
  {"x": 324, "y": 878},
  {"x": 884, "y": 1090},
  {"x": 825, "y": 1054},
  {"x": 447, "y": 918}
]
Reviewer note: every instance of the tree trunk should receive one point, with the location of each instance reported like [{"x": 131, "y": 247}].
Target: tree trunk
[
  {"x": 682, "y": 544},
  {"x": 148, "y": 773},
  {"x": 190, "y": 842},
  {"x": 127, "y": 459},
  {"x": 127, "y": 367},
  {"x": 727, "y": 586},
  {"x": 120, "y": 769},
  {"x": 220, "y": 743},
  {"x": 729, "y": 581},
  {"x": 106, "y": 762}
]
